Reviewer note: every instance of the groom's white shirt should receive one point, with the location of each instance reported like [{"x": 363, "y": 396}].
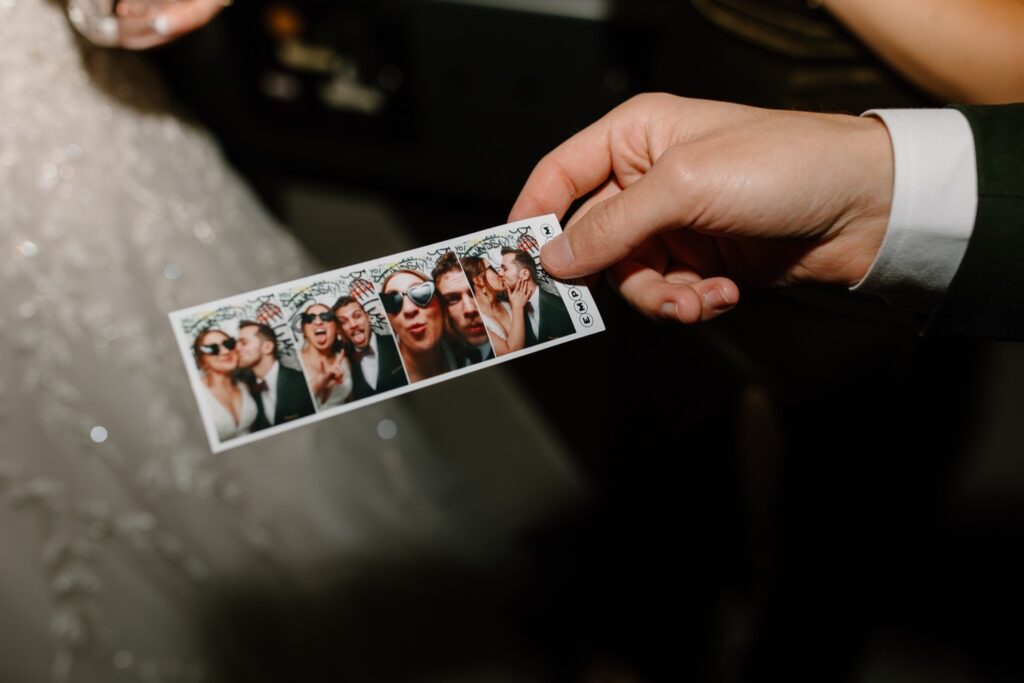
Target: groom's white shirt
[{"x": 370, "y": 362}]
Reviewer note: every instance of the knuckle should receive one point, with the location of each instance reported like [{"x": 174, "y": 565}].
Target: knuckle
[
  {"x": 601, "y": 231},
  {"x": 635, "y": 102},
  {"x": 650, "y": 99},
  {"x": 685, "y": 167},
  {"x": 689, "y": 179},
  {"x": 608, "y": 238}
]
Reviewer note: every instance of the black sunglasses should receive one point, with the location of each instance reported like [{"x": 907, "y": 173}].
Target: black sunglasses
[
  {"x": 214, "y": 349},
  {"x": 326, "y": 316},
  {"x": 420, "y": 295}
]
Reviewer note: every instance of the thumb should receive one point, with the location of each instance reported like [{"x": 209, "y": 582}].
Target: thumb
[{"x": 613, "y": 228}]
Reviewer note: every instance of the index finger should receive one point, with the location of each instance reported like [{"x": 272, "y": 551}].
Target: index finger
[{"x": 573, "y": 169}]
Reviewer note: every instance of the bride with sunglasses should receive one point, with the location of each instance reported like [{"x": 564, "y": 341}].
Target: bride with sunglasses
[
  {"x": 233, "y": 408},
  {"x": 415, "y": 314},
  {"x": 327, "y": 368}
]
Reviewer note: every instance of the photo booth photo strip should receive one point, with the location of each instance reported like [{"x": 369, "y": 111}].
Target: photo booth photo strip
[{"x": 281, "y": 306}]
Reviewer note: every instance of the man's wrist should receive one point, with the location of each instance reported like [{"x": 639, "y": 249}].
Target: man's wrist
[
  {"x": 934, "y": 198},
  {"x": 868, "y": 156}
]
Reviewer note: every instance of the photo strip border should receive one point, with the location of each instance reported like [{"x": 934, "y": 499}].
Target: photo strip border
[{"x": 530, "y": 233}]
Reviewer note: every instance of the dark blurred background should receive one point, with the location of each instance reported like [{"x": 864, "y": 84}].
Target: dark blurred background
[{"x": 804, "y": 490}]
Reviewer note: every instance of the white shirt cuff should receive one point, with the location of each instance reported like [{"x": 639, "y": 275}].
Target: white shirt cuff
[{"x": 934, "y": 201}]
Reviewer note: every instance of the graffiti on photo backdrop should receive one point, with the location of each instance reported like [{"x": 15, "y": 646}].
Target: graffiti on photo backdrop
[
  {"x": 224, "y": 318},
  {"x": 421, "y": 263}
]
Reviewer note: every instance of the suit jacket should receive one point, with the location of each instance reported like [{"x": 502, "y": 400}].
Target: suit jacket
[
  {"x": 390, "y": 373},
  {"x": 462, "y": 354},
  {"x": 554, "y": 318},
  {"x": 293, "y": 400},
  {"x": 986, "y": 296}
]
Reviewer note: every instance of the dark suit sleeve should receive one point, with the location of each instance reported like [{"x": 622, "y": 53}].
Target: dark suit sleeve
[
  {"x": 554, "y": 318},
  {"x": 986, "y": 296},
  {"x": 390, "y": 373}
]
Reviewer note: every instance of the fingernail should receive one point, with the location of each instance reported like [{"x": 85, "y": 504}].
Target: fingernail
[
  {"x": 715, "y": 300},
  {"x": 668, "y": 310},
  {"x": 162, "y": 25},
  {"x": 558, "y": 253}
]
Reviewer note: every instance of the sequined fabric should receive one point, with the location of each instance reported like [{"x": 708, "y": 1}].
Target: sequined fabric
[{"x": 117, "y": 526}]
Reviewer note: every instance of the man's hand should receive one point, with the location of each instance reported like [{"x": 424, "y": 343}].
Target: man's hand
[{"x": 690, "y": 198}]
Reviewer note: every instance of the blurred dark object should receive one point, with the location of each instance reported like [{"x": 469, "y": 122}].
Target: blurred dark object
[
  {"x": 423, "y": 96},
  {"x": 790, "y": 54},
  {"x": 462, "y": 98}
]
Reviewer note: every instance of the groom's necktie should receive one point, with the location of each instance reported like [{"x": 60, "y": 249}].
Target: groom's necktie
[{"x": 473, "y": 355}]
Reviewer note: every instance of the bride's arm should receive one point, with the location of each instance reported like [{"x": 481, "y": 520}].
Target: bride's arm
[
  {"x": 499, "y": 345},
  {"x": 961, "y": 50},
  {"x": 140, "y": 24}
]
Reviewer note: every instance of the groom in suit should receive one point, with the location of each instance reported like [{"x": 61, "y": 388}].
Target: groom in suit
[
  {"x": 376, "y": 365},
  {"x": 546, "y": 314},
  {"x": 281, "y": 393}
]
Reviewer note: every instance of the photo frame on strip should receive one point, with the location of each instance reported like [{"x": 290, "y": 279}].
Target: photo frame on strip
[{"x": 558, "y": 312}]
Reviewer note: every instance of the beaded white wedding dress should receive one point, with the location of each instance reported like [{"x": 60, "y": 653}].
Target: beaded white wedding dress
[{"x": 123, "y": 542}]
